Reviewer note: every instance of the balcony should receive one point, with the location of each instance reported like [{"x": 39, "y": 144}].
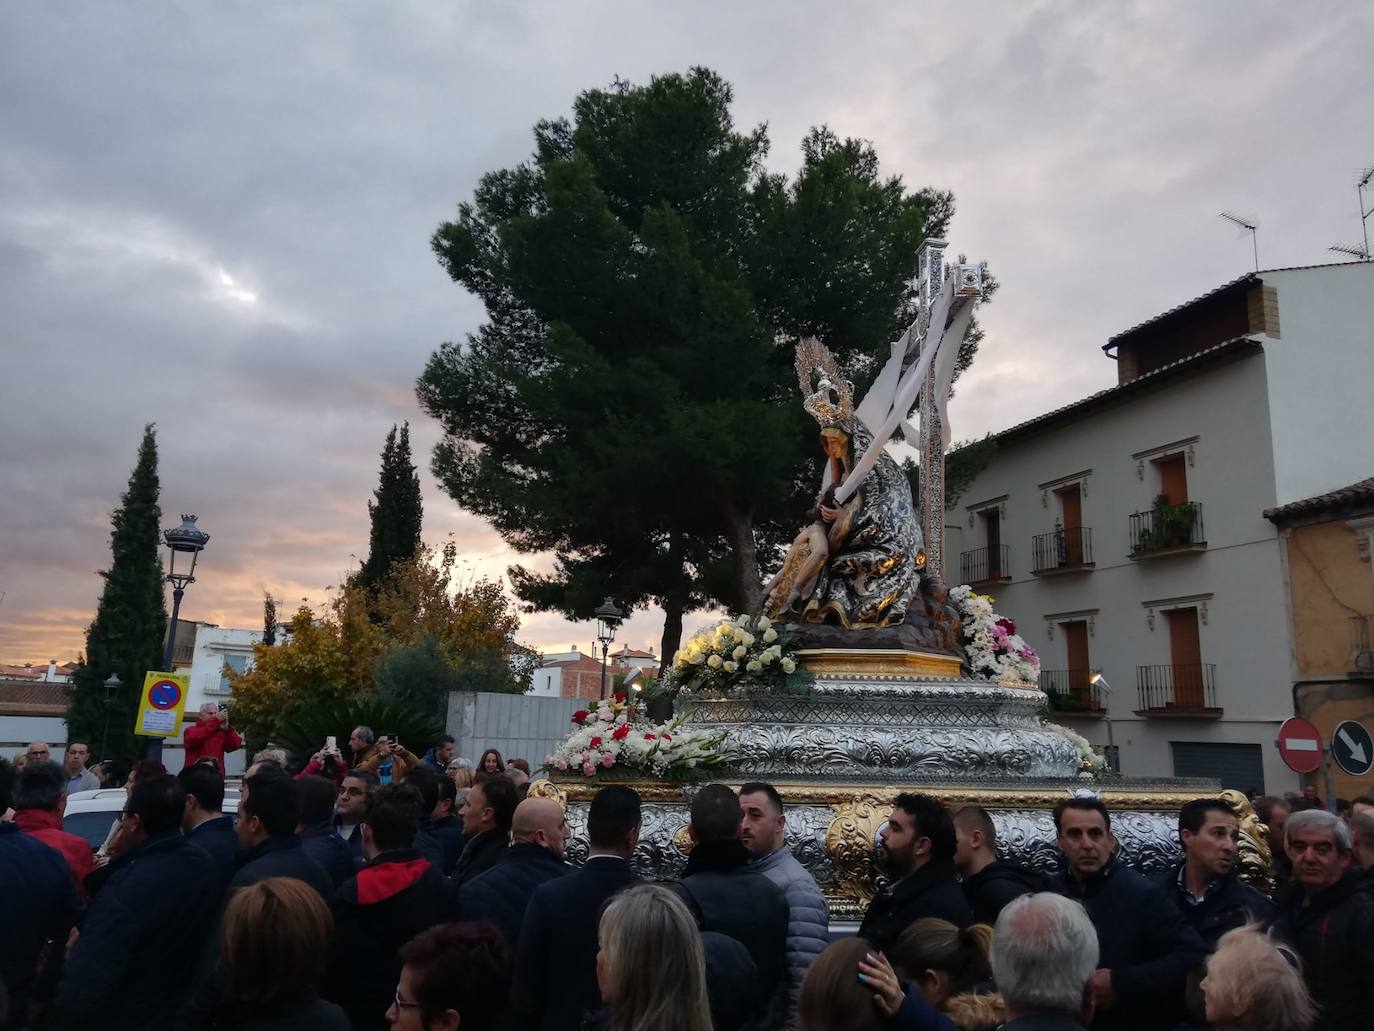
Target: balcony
[
  {"x": 986, "y": 565},
  {"x": 1185, "y": 692},
  {"x": 1072, "y": 693},
  {"x": 1062, "y": 551},
  {"x": 1167, "y": 530}
]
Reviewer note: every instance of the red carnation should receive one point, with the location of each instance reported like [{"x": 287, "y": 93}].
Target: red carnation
[
  {"x": 594, "y": 742},
  {"x": 667, "y": 737},
  {"x": 621, "y": 732},
  {"x": 580, "y": 716},
  {"x": 620, "y": 696},
  {"x": 650, "y": 737},
  {"x": 1007, "y": 625}
]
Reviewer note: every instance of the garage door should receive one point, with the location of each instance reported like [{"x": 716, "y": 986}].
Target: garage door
[{"x": 1236, "y": 766}]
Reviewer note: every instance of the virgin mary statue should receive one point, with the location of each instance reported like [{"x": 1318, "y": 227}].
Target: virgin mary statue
[{"x": 859, "y": 563}]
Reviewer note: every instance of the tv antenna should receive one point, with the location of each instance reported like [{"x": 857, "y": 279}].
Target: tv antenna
[
  {"x": 1361, "y": 185},
  {"x": 1354, "y": 250},
  {"x": 1248, "y": 225}
]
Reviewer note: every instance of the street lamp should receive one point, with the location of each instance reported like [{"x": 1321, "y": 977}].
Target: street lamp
[
  {"x": 608, "y": 619},
  {"x": 112, "y": 686},
  {"x": 184, "y": 540},
  {"x": 1113, "y": 758}
]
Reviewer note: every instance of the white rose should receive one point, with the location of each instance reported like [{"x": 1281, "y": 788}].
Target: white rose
[
  {"x": 738, "y": 653},
  {"x": 754, "y": 666},
  {"x": 770, "y": 635},
  {"x": 767, "y": 658},
  {"x": 697, "y": 659},
  {"x": 764, "y": 623},
  {"x": 714, "y": 662},
  {"x": 730, "y": 667},
  {"x": 739, "y": 636},
  {"x": 788, "y": 666}
]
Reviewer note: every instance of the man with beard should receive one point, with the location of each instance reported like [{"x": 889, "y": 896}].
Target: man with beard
[
  {"x": 916, "y": 851},
  {"x": 1147, "y": 951},
  {"x": 1212, "y": 899}
]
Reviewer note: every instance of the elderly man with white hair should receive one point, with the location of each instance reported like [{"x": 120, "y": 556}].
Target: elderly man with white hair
[
  {"x": 1327, "y": 915},
  {"x": 210, "y": 737},
  {"x": 1044, "y": 954}
]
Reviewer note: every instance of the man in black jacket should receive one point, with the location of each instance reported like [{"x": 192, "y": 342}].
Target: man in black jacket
[
  {"x": 487, "y": 813},
  {"x": 555, "y": 970},
  {"x": 147, "y": 927},
  {"x": 989, "y": 883},
  {"x": 424, "y": 780},
  {"x": 396, "y": 895},
  {"x": 728, "y": 897},
  {"x": 1327, "y": 915},
  {"x": 315, "y": 800},
  {"x": 1147, "y": 951},
  {"x": 539, "y": 834},
  {"x": 204, "y": 822},
  {"x": 1205, "y": 887},
  {"x": 268, "y": 845},
  {"x": 446, "y": 826},
  {"x": 916, "y": 850}
]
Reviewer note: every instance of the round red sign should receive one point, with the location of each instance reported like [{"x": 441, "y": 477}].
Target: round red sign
[{"x": 1300, "y": 745}]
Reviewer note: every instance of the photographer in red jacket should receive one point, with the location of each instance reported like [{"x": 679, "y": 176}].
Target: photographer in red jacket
[{"x": 211, "y": 737}]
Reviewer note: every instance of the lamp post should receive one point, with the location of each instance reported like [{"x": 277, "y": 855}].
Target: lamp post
[
  {"x": 112, "y": 686},
  {"x": 186, "y": 540},
  {"x": 608, "y": 619},
  {"x": 1113, "y": 758}
]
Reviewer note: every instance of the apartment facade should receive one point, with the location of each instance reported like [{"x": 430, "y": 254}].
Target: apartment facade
[{"x": 1126, "y": 533}]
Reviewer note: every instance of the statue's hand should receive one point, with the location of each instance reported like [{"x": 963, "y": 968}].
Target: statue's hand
[{"x": 829, "y": 514}]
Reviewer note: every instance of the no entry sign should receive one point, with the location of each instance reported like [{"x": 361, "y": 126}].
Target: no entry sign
[{"x": 1300, "y": 745}]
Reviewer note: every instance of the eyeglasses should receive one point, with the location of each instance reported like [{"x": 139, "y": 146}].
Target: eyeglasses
[{"x": 401, "y": 1004}]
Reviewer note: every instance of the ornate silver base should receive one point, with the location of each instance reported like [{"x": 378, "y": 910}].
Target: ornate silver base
[{"x": 869, "y": 726}]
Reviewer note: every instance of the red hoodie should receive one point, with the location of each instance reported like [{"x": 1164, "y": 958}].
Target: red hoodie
[{"x": 47, "y": 828}]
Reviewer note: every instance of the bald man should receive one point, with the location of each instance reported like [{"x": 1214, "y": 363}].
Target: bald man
[{"x": 539, "y": 834}]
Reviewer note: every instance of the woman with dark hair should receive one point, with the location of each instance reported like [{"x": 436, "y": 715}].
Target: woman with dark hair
[
  {"x": 275, "y": 939},
  {"x": 450, "y": 975},
  {"x": 491, "y": 764}
]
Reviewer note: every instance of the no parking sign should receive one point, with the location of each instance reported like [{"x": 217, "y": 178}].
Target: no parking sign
[{"x": 162, "y": 704}]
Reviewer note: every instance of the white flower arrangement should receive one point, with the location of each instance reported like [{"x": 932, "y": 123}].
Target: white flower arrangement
[
  {"x": 737, "y": 653},
  {"x": 612, "y": 736},
  {"x": 994, "y": 649},
  {"x": 1092, "y": 762}
]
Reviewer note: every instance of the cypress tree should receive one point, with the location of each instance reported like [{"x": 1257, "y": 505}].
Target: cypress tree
[
  {"x": 130, "y": 626},
  {"x": 396, "y": 512}
]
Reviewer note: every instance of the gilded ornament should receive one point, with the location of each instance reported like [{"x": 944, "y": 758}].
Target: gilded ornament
[{"x": 1254, "y": 855}]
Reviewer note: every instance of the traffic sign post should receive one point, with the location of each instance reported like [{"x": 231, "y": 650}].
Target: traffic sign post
[
  {"x": 1353, "y": 748},
  {"x": 1300, "y": 745},
  {"x": 161, "y": 705}
]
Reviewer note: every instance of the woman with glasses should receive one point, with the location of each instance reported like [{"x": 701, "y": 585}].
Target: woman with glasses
[{"x": 452, "y": 975}]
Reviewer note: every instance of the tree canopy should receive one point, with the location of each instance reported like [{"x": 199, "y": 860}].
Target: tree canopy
[
  {"x": 629, "y": 403},
  {"x": 396, "y": 512},
  {"x": 130, "y": 626}
]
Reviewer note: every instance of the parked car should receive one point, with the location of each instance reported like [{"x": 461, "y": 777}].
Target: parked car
[{"x": 91, "y": 814}]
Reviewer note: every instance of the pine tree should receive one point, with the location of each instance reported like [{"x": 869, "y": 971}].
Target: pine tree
[
  {"x": 269, "y": 618},
  {"x": 130, "y": 626},
  {"x": 396, "y": 513}
]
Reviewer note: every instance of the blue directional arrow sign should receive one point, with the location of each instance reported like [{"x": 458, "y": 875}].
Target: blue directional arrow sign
[{"x": 1353, "y": 748}]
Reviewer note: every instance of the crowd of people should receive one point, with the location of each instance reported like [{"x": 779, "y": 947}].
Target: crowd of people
[{"x": 428, "y": 892}]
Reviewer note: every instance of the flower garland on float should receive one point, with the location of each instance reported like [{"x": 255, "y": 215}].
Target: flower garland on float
[
  {"x": 611, "y": 735},
  {"x": 994, "y": 649},
  {"x": 739, "y": 653}
]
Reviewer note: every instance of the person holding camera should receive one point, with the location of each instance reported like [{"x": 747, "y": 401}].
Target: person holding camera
[
  {"x": 211, "y": 736},
  {"x": 328, "y": 762}
]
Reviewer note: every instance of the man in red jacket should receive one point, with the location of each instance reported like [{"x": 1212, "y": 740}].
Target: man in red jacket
[
  {"x": 39, "y": 799},
  {"x": 211, "y": 737}
]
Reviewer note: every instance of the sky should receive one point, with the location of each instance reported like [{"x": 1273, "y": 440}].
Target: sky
[{"x": 217, "y": 218}]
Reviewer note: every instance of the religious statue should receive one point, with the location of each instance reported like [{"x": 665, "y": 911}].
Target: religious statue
[{"x": 861, "y": 563}]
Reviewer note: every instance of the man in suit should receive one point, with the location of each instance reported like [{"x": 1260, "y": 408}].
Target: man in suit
[
  {"x": 204, "y": 822},
  {"x": 268, "y": 843},
  {"x": 555, "y": 970}
]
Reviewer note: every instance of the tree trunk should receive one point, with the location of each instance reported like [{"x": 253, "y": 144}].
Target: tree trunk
[{"x": 744, "y": 557}]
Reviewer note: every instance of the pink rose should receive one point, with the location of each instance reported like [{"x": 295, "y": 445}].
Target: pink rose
[
  {"x": 588, "y": 769},
  {"x": 562, "y": 764},
  {"x": 608, "y": 760}
]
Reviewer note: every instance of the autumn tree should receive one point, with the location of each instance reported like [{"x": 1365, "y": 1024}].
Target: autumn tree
[
  {"x": 630, "y": 404},
  {"x": 130, "y": 626}
]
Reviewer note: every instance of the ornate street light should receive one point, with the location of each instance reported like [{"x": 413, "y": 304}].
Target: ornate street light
[
  {"x": 186, "y": 540},
  {"x": 112, "y": 686},
  {"x": 608, "y": 620}
]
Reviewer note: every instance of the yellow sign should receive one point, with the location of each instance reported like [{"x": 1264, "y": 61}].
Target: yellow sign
[{"x": 162, "y": 704}]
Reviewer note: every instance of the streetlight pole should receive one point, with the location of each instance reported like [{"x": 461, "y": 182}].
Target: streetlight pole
[
  {"x": 608, "y": 618},
  {"x": 186, "y": 539},
  {"x": 112, "y": 686},
  {"x": 1098, "y": 680}
]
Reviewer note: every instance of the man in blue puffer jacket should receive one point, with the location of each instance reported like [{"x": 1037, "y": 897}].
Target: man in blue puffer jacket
[{"x": 763, "y": 831}]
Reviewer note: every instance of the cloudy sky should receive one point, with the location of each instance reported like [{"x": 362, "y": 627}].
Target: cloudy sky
[{"x": 217, "y": 217}]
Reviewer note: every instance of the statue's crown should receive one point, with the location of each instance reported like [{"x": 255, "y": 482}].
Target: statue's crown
[{"x": 829, "y": 397}]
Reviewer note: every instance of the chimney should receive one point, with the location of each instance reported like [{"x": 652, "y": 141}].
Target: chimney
[{"x": 52, "y": 669}]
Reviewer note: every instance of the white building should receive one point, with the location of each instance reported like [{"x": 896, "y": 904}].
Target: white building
[{"x": 1125, "y": 533}]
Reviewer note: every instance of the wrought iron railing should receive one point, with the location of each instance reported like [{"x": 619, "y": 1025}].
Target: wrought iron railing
[
  {"x": 1166, "y": 526},
  {"x": 1072, "y": 690},
  {"x": 983, "y": 564},
  {"x": 1178, "y": 688},
  {"x": 1361, "y": 644},
  {"x": 1064, "y": 548}
]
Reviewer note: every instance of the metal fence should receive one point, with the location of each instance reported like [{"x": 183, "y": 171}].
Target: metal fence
[
  {"x": 527, "y": 726},
  {"x": 982, "y": 564},
  {"x": 1190, "y": 687},
  {"x": 1062, "y": 549},
  {"x": 1165, "y": 527}
]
